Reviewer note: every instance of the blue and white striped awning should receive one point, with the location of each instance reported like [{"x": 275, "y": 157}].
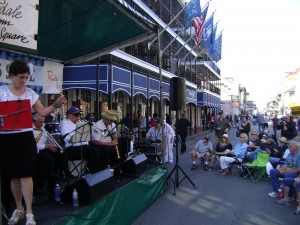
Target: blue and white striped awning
[
  {"x": 84, "y": 76},
  {"x": 121, "y": 80},
  {"x": 191, "y": 96},
  {"x": 140, "y": 83}
]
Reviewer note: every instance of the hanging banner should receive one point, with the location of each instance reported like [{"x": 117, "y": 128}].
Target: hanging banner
[
  {"x": 19, "y": 22},
  {"x": 36, "y": 72},
  {"x": 53, "y": 78}
]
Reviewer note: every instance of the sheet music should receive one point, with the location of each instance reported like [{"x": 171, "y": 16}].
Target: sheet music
[{"x": 82, "y": 132}]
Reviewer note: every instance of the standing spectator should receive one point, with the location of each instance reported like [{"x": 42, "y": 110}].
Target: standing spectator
[
  {"x": 152, "y": 119},
  {"x": 17, "y": 162},
  {"x": 221, "y": 127},
  {"x": 290, "y": 169},
  {"x": 245, "y": 127},
  {"x": 275, "y": 121},
  {"x": 212, "y": 121},
  {"x": 288, "y": 128},
  {"x": 183, "y": 124},
  {"x": 261, "y": 123},
  {"x": 168, "y": 119},
  {"x": 170, "y": 134}
]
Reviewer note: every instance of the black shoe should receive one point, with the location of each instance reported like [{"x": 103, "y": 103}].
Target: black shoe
[
  {"x": 183, "y": 152},
  {"x": 194, "y": 167},
  {"x": 206, "y": 168}
]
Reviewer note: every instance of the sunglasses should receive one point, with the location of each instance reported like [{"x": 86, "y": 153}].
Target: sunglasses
[
  {"x": 76, "y": 114},
  {"x": 254, "y": 134}
]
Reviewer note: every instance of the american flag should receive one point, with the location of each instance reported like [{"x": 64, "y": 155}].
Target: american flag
[{"x": 198, "y": 24}]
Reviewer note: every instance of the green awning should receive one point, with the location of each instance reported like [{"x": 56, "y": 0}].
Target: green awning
[{"x": 75, "y": 31}]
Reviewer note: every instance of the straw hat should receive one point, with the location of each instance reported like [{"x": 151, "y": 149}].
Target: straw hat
[
  {"x": 283, "y": 139},
  {"x": 110, "y": 115},
  {"x": 225, "y": 136}
]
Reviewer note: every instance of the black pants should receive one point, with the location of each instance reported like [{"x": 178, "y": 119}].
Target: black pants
[
  {"x": 48, "y": 164},
  {"x": 108, "y": 156},
  {"x": 86, "y": 152},
  {"x": 183, "y": 144}
]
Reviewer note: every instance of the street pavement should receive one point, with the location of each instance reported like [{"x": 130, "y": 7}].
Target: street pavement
[{"x": 217, "y": 199}]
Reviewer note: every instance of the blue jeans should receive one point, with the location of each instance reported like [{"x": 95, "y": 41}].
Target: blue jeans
[
  {"x": 253, "y": 155},
  {"x": 290, "y": 182},
  {"x": 274, "y": 160},
  {"x": 274, "y": 175}
]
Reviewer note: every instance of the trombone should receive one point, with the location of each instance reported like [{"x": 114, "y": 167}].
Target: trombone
[{"x": 53, "y": 141}]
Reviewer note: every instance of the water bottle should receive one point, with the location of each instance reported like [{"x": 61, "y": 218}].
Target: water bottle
[
  {"x": 110, "y": 169},
  {"x": 57, "y": 193},
  {"x": 75, "y": 198},
  {"x": 279, "y": 194}
]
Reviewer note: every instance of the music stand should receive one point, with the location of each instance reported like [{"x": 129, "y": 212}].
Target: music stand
[
  {"x": 82, "y": 133},
  {"x": 14, "y": 115}
]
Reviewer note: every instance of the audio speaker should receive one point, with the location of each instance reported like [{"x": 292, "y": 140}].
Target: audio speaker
[
  {"x": 90, "y": 188},
  {"x": 135, "y": 166},
  {"x": 177, "y": 94}
]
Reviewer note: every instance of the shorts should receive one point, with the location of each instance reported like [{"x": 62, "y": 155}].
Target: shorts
[{"x": 200, "y": 154}]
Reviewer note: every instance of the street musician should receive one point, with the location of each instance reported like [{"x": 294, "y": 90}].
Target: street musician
[
  {"x": 105, "y": 138},
  {"x": 79, "y": 150},
  {"x": 49, "y": 159}
]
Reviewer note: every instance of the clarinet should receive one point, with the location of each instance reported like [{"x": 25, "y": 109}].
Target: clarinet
[{"x": 117, "y": 148}]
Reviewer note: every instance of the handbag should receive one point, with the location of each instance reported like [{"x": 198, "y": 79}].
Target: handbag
[{"x": 237, "y": 134}]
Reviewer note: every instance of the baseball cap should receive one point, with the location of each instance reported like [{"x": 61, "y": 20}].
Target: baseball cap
[
  {"x": 157, "y": 120},
  {"x": 73, "y": 110},
  {"x": 207, "y": 137}
]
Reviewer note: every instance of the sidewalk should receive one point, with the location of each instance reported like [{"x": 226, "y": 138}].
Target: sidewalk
[{"x": 199, "y": 132}]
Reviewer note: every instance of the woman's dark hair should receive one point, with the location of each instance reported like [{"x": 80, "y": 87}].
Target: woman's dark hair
[{"x": 18, "y": 67}]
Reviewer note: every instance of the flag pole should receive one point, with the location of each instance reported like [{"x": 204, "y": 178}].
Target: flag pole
[{"x": 168, "y": 25}]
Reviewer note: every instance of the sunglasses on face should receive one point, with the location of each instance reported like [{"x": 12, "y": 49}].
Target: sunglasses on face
[{"x": 76, "y": 114}]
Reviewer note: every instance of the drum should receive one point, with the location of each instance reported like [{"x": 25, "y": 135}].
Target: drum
[{"x": 52, "y": 127}]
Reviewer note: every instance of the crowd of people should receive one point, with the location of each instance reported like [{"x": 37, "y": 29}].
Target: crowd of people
[{"x": 283, "y": 152}]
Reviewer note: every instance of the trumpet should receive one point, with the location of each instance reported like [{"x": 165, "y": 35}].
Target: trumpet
[{"x": 53, "y": 141}]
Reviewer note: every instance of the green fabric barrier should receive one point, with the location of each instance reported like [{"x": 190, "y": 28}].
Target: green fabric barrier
[{"x": 125, "y": 204}]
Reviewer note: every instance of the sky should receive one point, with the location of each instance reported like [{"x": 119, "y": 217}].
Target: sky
[{"x": 261, "y": 42}]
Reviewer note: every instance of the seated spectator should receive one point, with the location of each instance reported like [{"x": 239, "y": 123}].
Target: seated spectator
[
  {"x": 268, "y": 147},
  {"x": 238, "y": 153},
  {"x": 282, "y": 152},
  {"x": 290, "y": 183},
  {"x": 263, "y": 138},
  {"x": 245, "y": 127},
  {"x": 254, "y": 142},
  {"x": 220, "y": 148},
  {"x": 279, "y": 151},
  {"x": 290, "y": 169},
  {"x": 202, "y": 148}
]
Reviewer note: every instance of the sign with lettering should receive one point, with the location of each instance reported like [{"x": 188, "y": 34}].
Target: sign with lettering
[
  {"x": 53, "y": 77},
  {"x": 19, "y": 22}
]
